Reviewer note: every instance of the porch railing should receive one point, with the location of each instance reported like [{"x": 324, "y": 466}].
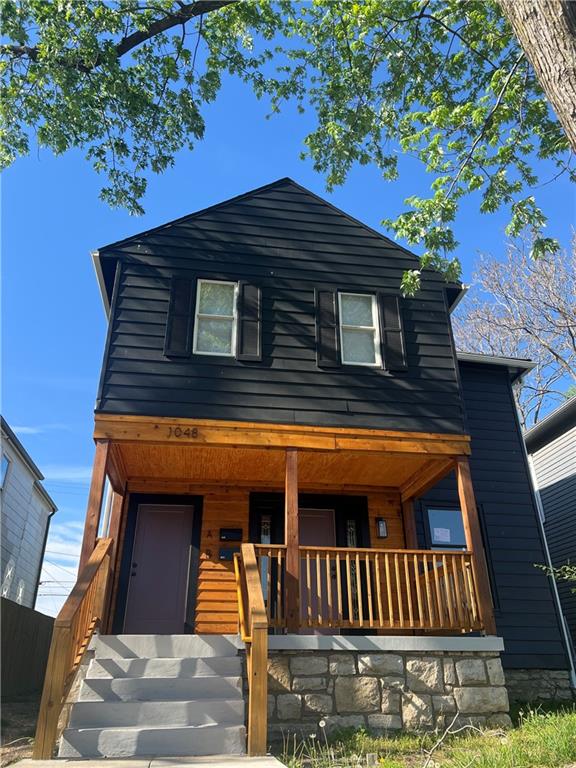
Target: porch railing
[
  {"x": 374, "y": 589},
  {"x": 74, "y": 626},
  {"x": 254, "y": 632}
]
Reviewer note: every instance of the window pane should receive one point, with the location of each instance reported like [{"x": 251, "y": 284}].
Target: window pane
[
  {"x": 446, "y": 528},
  {"x": 214, "y": 336},
  {"x": 216, "y": 299},
  {"x": 358, "y": 346},
  {"x": 356, "y": 310}
]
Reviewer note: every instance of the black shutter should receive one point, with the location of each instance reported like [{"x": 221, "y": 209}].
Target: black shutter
[
  {"x": 249, "y": 344},
  {"x": 327, "y": 332},
  {"x": 178, "y": 339},
  {"x": 393, "y": 344}
]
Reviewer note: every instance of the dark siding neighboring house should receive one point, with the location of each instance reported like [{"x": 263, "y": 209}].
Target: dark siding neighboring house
[
  {"x": 26, "y": 510},
  {"x": 525, "y": 611},
  {"x": 551, "y": 447}
]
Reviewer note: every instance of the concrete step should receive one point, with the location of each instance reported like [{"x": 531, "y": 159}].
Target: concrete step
[
  {"x": 160, "y": 689},
  {"x": 153, "y": 742},
  {"x": 165, "y": 646},
  {"x": 225, "y": 666},
  {"x": 103, "y": 714}
]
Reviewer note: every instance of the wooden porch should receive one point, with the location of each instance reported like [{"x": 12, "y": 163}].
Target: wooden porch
[{"x": 388, "y": 587}]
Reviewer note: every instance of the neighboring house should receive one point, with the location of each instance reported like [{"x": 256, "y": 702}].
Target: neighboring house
[
  {"x": 551, "y": 446},
  {"x": 26, "y": 512},
  {"x": 296, "y": 450}
]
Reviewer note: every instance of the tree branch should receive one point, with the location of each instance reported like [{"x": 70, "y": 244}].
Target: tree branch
[
  {"x": 487, "y": 122},
  {"x": 129, "y": 42}
]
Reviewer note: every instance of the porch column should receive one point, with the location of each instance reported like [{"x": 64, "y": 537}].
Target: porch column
[
  {"x": 474, "y": 544},
  {"x": 292, "y": 540},
  {"x": 94, "y": 501},
  {"x": 409, "y": 522}
]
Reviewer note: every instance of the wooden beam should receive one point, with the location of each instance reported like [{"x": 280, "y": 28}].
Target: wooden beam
[
  {"x": 475, "y": 544},
  {"x": 94, "y": 501},
  {"x": 115, "y": 521},
  {"x": 180, "y": 485},
  {"x": 409, "y": 522},
  {"x": 116, "y": 533},
  {"x": 292, "y": 541},
  {"x": 425, "y": 478},
  {"x": 115, "y": 469},
  {"x": 164, "y": 430}
]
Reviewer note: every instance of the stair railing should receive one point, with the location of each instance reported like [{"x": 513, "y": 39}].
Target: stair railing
[
  {"x": 254, "y": 632},
  {"x": 74, "y": 626}
]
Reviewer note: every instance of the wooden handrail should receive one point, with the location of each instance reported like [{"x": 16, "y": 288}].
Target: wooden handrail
[
  {"x": 362, "y": 588},
  {"x": 254, "y": 632},
  {"x": 74, "y": 626}
]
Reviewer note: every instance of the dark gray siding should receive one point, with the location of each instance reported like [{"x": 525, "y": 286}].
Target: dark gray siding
[
  {"x": 525, "y": 612},
  {"x": 289, "y": 243},
  {"x": 555, "y": 470}
]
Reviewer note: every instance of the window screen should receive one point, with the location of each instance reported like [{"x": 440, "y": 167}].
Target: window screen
[
  {"x": 359, "y": 332},
  {"x": 215, "y": 322}
]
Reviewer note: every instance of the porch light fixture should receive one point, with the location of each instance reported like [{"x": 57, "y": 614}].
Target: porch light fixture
[{"x": 382, "y": 528}]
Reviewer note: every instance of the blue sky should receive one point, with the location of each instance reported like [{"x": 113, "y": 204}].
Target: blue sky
[{"x": 53, "y": 323}]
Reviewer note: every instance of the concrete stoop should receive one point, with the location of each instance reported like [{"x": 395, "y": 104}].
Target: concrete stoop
[{"x": 159, "y": 696}]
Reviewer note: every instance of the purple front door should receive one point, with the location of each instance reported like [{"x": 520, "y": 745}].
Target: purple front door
[
  {"x": 317, "y": 528},
  {"x": 158, "y": 587}
]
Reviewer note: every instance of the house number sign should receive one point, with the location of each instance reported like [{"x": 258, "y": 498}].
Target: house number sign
[{"x": 182, "y": 432}]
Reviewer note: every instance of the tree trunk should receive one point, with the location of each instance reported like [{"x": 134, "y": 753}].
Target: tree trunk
[{"x": 546, "y": 30}]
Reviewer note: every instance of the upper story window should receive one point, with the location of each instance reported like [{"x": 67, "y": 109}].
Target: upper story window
[
  {"x": 215, "y": 321},
  {"x": 359, "y": 329},
  {"x": 4, "y": 469}
]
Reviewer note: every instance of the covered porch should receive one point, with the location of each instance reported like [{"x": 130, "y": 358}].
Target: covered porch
[
  {"x": 330, "y": 514},
  {"x": 263, "y": 530}
]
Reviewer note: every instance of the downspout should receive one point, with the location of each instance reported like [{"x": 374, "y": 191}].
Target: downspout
[{"x": 541, "y": 515}]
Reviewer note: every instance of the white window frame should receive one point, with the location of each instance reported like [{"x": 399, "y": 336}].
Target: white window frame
[
  {"x": 374, "y": 327},
  {"x": 233, "y": 317}
]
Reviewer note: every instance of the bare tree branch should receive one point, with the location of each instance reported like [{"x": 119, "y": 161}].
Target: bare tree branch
[{"x": 521, "y": 307}]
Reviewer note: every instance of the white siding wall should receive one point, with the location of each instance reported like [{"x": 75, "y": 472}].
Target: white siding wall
[
  {"x": 25, "y": 515},
  {"x": 555, "y": 469}
]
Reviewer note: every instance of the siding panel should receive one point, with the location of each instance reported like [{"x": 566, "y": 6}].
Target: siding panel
[
  {"x": 555, "y": 468},
  {"x": 287, "y": 242},
  {"x": 525, "y": 611}
]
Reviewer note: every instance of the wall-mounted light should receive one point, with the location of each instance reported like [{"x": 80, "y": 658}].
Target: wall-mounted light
[{"x": 382, "y": 528}]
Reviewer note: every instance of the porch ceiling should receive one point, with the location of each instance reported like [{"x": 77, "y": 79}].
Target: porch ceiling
[{"x": 238, "y": 465}]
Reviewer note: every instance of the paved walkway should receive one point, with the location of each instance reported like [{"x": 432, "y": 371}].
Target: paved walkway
[{"x": 215, "y": 761}]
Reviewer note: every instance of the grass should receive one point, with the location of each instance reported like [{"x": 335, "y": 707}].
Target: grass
[{"x": 541, "y": 739}]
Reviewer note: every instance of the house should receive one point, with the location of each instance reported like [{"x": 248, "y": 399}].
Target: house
[
  {"x": 26, "y": 513},
  {"x": 308, "y": 480},
  {"x": 551, "y": 446}
]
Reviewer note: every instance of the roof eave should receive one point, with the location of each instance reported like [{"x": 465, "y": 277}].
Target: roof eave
[
  {"x": 97, "y": 262},
  {"x": 517, "y": 367},
  {"x": 556, "y": 423}
]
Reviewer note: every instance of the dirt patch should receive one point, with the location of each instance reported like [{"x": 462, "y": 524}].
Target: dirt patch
[{"x": 18, "y": 728}]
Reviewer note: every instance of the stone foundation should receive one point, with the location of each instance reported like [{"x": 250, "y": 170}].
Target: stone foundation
[
  {"x": 539, "y": 686},
  {"x": 383, "y": 691}
]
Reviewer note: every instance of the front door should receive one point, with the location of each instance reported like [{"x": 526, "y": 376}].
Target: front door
[
  {"x": 317, "y": 528},
  {"x": 158, "y": 586}
]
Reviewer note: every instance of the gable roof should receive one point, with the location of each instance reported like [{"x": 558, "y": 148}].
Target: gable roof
[
  {"x": 105, "y": 258},
  {"x": 9, "y": 436},
  {"x": 555, "y": 424}
]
